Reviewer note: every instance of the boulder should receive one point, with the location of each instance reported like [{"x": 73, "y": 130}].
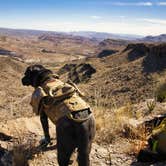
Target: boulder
[{"x": 78, "y": 72}]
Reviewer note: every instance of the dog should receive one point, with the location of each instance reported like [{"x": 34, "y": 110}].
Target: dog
[{"x": 71, "y": 132}]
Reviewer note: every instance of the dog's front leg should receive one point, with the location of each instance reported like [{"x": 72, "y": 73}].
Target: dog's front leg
[{"x": 44, "y": 121}]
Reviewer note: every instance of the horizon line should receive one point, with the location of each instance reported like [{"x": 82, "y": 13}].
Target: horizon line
[{"x": 44, "y": 30}]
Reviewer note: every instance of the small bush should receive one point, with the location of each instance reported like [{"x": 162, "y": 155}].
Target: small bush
[
  {"x": 161, "y": 91},
  {"x": 22, "y": 150},
  {"x": 151, "y": 105},
  {"x": 111, "y": 124}
]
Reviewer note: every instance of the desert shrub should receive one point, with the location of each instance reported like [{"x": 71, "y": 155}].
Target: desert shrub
[
  {"x": 111, "y": 124},
  {"x": 114, "y": 123},
  {"x": 160, "y": 92},
  {"x": 103, "y": 126},
  {"x": 19, "y": 155},
  {"x": 151, "y": 105},
  {"x": 22, "y": 150}
]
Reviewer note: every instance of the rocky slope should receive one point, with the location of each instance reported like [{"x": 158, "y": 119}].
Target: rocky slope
[
  {"x": 14, "y": 98},
  {"x": 128, "y": 76}
]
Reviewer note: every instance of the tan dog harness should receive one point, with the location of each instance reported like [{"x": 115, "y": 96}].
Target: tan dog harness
[{"x": 58, "y": 99}]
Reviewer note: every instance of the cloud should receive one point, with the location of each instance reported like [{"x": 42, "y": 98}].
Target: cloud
[
  {"x": 161, "y": 3},
  {"x": 140, "y": 26},
  {"x": 155, "y": 21},
  {"x": 141, "y": 3},
  {"x": 133, "y": 4},
  {"x": 96, "y": 17}
]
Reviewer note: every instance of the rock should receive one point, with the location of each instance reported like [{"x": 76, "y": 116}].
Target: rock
[
  {"x": 78, "y": 72},
  {"x": 48, "y": 51}
]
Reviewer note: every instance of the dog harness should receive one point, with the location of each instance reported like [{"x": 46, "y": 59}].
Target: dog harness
[{"x": 58, "y": 99}]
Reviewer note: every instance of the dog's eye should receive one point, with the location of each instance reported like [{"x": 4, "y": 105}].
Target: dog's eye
[{"x": 27, "y": 73}]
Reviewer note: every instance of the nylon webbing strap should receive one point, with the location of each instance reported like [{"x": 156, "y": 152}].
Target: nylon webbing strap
[{"x": 154, "y": 148}]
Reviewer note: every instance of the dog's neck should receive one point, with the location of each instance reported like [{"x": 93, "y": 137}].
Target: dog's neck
[{"x": 44, "y": 77}]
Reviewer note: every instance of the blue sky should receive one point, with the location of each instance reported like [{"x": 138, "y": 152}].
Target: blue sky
[{"x": 122, "y": 16}]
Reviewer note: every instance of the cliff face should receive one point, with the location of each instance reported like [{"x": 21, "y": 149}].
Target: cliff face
[
  {"x": 155, "y": 61},
  {"x": 154, "y": 55},
  {"x": 136, "y": 51}
]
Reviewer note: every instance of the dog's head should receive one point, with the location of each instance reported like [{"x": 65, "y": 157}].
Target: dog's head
[{"x": 34, "y": 75}]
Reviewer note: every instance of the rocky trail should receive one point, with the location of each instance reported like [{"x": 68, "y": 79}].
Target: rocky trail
[
  {"x": 24, "y": 134},
  {"x": 19, "y": 142}
]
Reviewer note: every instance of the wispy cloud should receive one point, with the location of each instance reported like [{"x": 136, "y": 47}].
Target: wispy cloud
[
  {"x": 155, "y": 21},
  {"x": 133, "y": 4},
  {"x": 96, "y": 17},
  {"x": 139, "y": 3},
  {"x": 142, "y": 26},
  {"x": 161, "y": 3}
]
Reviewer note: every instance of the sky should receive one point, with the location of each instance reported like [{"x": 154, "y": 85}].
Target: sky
[{"x": 141, "y": 17}]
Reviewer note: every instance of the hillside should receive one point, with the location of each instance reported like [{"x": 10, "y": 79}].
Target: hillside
[
  {"x": 110, "y": 46},
  {"x": 69, "y": 44},
  {"x": 14, "y": 98},
  {"x": 57, "y": 48},
  {"x": 127, "y": 76},
  {"x": 46, "y": 48}
]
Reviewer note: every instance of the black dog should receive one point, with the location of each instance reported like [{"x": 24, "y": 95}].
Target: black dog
[{"x": 70, "y": 134}]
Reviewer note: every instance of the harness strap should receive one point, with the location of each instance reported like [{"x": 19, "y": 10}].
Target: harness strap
[
  {"x": 154, "y": 148},
  {"x": 80, "y": 115},
  {"x": 70, "y": 116}
]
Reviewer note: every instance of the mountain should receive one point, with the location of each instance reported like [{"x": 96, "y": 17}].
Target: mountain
[
  {"x": 160, "y": 38},
  {"x": 46, "y": 47},
  {"x": 87, "y": 34},
  {"x": 21, "y": 32},
  {"x": 69, "y": 44},
  {"x": 40, "y": 46},
  {"x": 112, "y": 43},
  {"x": 127, "y": 76},
  {"x": 104, "y": 35}
]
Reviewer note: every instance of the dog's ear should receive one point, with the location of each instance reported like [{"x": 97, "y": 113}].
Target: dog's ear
[{"x": 33, "y": 68}]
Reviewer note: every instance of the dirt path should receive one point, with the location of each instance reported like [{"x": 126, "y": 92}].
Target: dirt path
[{"x": 28, "y": 132}]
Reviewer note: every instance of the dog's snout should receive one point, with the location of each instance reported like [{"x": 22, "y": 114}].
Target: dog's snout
[{"x": 25, "y": 81}]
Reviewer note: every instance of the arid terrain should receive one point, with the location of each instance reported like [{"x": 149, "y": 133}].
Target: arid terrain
[{"x": 119, "y": 79}]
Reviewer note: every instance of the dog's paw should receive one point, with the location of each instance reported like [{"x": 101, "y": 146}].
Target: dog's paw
[{"x": 44, "y": 142}]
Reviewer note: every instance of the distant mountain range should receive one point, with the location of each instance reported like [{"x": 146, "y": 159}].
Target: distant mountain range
[
  {"x": 160, "y": 38},
  {"x": 22, "y": 32},
  {"x": 88, "y": 34},
  {"x": 104, "y": 35}
]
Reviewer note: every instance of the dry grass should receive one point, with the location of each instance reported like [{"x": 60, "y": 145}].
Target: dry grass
[
  {"x": 160, "y": 91},
  {"x": 138, "y": 140},
  {"x": 112, "y": 124},
  {"x": 23, "y": 149}
]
